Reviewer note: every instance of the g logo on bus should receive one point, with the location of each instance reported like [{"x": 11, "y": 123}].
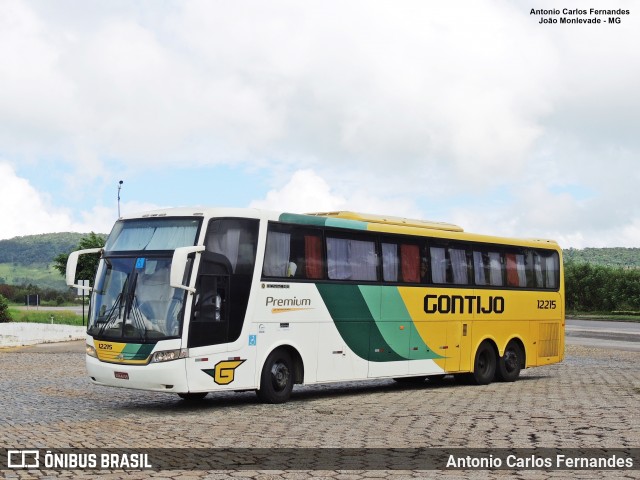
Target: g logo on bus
[{"x": 224, "y": 372}]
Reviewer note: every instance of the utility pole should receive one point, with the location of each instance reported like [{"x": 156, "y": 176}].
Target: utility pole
[{"x": 119, "y": 187}]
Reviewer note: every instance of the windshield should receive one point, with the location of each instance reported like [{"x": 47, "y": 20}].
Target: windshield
[
  {"x": 152, "y": 234},
  {"x": 134, "y": 301}
]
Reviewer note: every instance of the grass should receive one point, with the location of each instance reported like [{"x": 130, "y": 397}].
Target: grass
[
  {"x": 60, "y": 317},
  {"x": 42, "y": 275}
]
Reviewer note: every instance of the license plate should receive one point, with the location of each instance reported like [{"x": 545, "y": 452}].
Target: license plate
[{"x": 121, "y": 375}]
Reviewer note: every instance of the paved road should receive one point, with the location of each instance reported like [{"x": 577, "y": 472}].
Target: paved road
[
  {"x": 604, "y": 334},
  {"x": 604, "y": 325},
  {"x": 592, "y": 399}
]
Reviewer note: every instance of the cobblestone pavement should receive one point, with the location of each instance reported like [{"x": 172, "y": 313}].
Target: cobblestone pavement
[{"x": 592, "y": 399}]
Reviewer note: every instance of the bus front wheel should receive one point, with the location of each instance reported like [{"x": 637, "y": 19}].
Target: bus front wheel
[
  {"x": 484, "y": 366},
  {"x": 276, "y": 381}
]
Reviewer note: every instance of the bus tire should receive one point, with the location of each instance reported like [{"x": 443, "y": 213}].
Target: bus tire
[
  {"x": 193, "y": 396},
  {"x": 484, "y": 366},
  {"x": 510, "y": 363},
  {"x": 276, "y": 380}
]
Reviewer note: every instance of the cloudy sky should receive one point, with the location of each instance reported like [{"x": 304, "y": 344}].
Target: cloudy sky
[{"x": 469, "y": 112}]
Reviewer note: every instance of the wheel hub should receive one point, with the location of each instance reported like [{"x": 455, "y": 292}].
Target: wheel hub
[{"x": 279, "y": 376}]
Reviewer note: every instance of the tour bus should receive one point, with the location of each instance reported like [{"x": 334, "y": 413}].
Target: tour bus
[{"x": 192, "y": 301}]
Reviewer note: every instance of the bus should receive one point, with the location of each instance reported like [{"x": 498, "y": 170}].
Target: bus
[{"x": 199, "y": 300}]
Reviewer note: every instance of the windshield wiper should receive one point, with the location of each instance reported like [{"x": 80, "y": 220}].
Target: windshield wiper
[
  {"x": 110, "y": 320},
  {"x": 136, "y": 315},
  {"x": 132, "y": 311}
]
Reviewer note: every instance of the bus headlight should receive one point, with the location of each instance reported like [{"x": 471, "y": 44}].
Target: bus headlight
[
  {"x": 168, "y": 355},
  {"x": 91, "y": 351}
]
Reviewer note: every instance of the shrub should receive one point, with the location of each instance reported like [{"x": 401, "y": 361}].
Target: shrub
[
  {"x": 599, "y": 288},
  {"x": 4, "y": 310}
]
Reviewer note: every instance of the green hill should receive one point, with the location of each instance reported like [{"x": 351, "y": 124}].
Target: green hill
[
  {"x": 609, "y": 257},
  {"x": 29, "y": 259}
]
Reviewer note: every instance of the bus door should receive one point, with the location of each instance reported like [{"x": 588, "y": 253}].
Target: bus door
[
  {"x": 215, "y": 360},
  {"x": 219, "y": 356},
  {"x": 210, "y": 319}
]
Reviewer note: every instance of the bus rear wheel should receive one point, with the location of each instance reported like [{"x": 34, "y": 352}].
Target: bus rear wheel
[
  {"x": 276, "y": 380},
  {"x": 510, "y": 363},
  {"x": 484, "y": 366}
]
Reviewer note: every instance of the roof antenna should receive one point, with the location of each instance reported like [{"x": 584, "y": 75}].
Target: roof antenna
[{"x": 119, "y": 187}]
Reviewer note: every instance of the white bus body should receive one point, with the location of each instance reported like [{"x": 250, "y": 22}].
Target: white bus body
[{"x": 192, "y": 301}]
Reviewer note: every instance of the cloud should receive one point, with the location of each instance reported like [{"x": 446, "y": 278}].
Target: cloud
[
  {"x": 534, "y": 213},
  {"x": 306, "y": 191},
  {"x": 572, "y": 219},
  {"x": 225, "y": 83},
  {"x": 27, "y": 211},
  {"x": 418, "y": 107}
]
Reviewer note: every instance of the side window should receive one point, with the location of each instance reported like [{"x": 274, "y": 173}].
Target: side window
[
  {"x": 438, "y": 264},
  {"x": 487, "y": 267},
  {"x": 550, "y": 268},
  {"x": 235, "y": 239},
  {"x": 402, "y": 262},
  {"x": 534, "y": 270},
  {"x": 410, "y": 263},
  {"x": 449, "y": 265},
  {"x": 293, "y": 252},
  {"x": 516, "y": 271},
  {"x": 277, "y": 254},
  {"x": 459, "y": 266},
  {"x": 390, "y": 263},
  {"x": 351, "y": 258},
  {"x": 542, "y": 269}
]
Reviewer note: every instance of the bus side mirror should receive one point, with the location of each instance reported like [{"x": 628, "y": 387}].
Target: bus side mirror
[
  {"x": 179, "y": 264},
  {"x": 72, "y": 265}
]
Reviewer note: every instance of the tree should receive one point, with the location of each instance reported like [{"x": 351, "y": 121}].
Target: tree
[
  {"x": 599, "y": 288},
  {"x": 4, "y": 310},
  {"x": 87, "y": 264}
]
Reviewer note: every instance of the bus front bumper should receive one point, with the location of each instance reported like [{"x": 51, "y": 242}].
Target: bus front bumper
[{"x": 159, "y": 377}]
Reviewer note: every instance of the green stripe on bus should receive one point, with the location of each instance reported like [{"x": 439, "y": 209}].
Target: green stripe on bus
[
  {"x": 302, "y": 219},
  {"x": 396, "y": 313},
  {"x": 344, "y": 223},
  {"x": 322, "y": 221},
  {"x": 137, "y": 351},
  {"x": 355, "y": 322}
]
